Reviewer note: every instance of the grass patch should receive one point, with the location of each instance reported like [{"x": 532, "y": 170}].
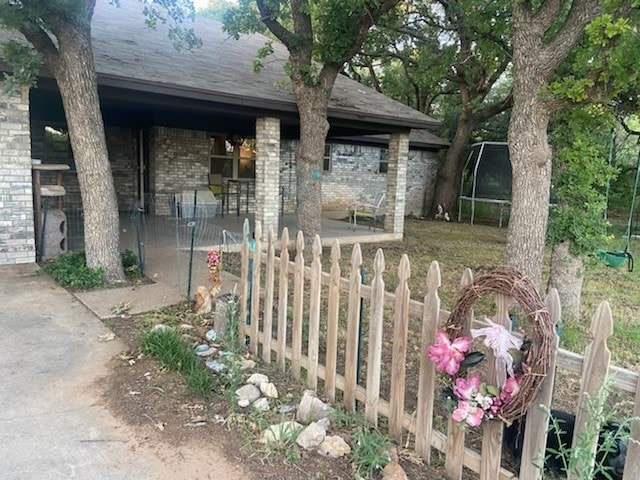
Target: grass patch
[
  {"x": 175, "y": 354},
  {"x": 70, "y": 270},
  {"x": 370, "y": 451}
]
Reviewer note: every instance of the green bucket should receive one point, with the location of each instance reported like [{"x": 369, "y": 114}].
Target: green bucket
[{"x": 613, "y": 259}]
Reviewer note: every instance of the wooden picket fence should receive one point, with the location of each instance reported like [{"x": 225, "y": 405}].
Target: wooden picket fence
[{"x": 264, "y": 305}]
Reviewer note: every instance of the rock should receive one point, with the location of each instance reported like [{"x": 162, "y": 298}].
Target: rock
[
  {"x": 280, "y": 431},
  {"x": 211, "y": 335},
  {"x": 246, "y": 364},
  {"x": 269, "y": 390},
  {"x": 286, "y": 408},
  {"x": 249, "y": 393},
  {"x": 311, "y": 437},
  {"x": 334, "y": 446},
  {"x": 161, "y": 327},
  {"x": 393, "y": 470},
  {"x": 311, "y": 408},
  {"x": 216, "y": 365},
  {"x": 205, "y": 350},
  {"x": 261, "y": 405},
  {"x": 243, "y": 403},
  {"x": 324, "y": 423},
  {"x": 202, "y": 301},
  {"x": 257, "y": 379}
]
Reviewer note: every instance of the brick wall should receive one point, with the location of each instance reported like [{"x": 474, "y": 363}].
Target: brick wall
[
  {"x": 355, "y": 177},
  {"x": 122, "y": 147},
  {"x": 267, "y": 165},
  {"x": 179, "y": 160},
  {"x": 17, "y": 243}
]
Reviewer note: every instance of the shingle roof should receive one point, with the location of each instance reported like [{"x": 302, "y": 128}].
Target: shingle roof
[
  {"x": 129, "y": 54},
  {"x": 419, "y": 139}
]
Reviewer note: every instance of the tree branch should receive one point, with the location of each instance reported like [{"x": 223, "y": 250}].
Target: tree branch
[
  {"x": 269, "y": 18},
  {"x": 42, "y": 42},
  {"x": 547, "y": 14},
  {"x": 495, "y": 108}
]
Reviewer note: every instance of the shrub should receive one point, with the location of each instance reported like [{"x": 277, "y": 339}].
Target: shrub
[
  {"x": 70, "y": 270},
  {"x": 130, "y": 264}
]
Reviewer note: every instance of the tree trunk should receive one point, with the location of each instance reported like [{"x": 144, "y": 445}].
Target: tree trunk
[
  {"x": 75, "y": 74},
  {"x": 312, "y": 106},
  {"x": 567, "y": 275},
  {"x": 447, "y": 186}
]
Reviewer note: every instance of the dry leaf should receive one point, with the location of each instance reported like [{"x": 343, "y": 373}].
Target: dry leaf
[{"x": 107, "y": 337}]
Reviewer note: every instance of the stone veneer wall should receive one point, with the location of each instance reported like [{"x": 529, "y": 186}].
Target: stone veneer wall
[
  {"x": 17, "y": 242},
  {"x": 355, "y": 177},
  {"x": 179, "y": 159}
]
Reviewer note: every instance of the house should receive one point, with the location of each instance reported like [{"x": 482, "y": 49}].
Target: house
[{"x": 175, "y": 120}]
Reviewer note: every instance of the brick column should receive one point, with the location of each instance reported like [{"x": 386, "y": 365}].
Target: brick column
[
  {"x": 268, "y": 173},
  {"x": 17, "y": 237},
  {"x": 396, "y": 182}
]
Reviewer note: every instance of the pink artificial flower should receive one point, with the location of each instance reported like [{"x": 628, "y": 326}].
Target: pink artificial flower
[
  {"x": 213, "y": 258},
  {"x": 446, "y": 354},
  {"x": 468, "y": 413},
  {"x": 497, "y": 403},
  {"x": 510, "y": 388},
  {"x": 467, "y": 388}
]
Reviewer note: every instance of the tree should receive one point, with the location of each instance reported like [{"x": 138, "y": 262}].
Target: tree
[
  {"x": 216, "y": 9},
  {"x": 60, "y": 36},
  {"x": 321, "y": 37},
  {"x": 454, "y": 48},
  {"x": 545, "y": 34}
]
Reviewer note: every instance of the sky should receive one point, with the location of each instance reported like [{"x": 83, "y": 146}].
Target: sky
[{"x": 200, "y": 4}]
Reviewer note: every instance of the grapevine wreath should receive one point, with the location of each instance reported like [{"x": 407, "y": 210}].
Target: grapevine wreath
[{"x": 470, "y": 398}]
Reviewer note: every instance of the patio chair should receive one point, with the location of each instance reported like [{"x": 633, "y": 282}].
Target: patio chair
[{"x": 373, "y": 212}]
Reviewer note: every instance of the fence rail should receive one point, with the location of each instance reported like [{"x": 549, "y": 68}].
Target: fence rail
[{"x": 260, "y": 303}]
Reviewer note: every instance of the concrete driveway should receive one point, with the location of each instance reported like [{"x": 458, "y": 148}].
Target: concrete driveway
[{"x": 52, "y": 424}]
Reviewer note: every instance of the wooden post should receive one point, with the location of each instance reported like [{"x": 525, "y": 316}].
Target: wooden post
[
  {"x": 426, "y": 385},
  {"x": 314, "y": 314},
  {"x": 535, "y": 435},
  {"x": 283, "y": 299},
  {"x": 298, "y": 307},
  {"x": 332, "y": 323},
  {"x": 255, "y": 290},
  {"x": 268, "y": 299},
  {"x": 496, "y": 375},
  {"x": 594, "y": 373},
  {"x": 632, "y": 465},
  {"x": 353, "y": 324},
  {"x": 399, "y": 356},
  {"x": 374, "y": 362},
  {"x": 454, "y": 451},
  {"x": 244, "y": 279}
]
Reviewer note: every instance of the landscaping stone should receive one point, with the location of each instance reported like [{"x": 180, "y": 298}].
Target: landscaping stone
[
  {"x": 243, "y": 403},
  {"x": 334, "y": 446},
  {"x": 216, "y": 365},
  {"x": 205, "y": 350},
  {"x": 393, "y": 470},
  {"x": 211, "y": 335},
  {"x": 312, "y": 436},
  {"x": 161, "y": 327},
  {"x": 246, "y": 364},
  {"x": 269, "y": 390},
  {"x": 324, "y": 423},
  {"x": 275, "y": 433},
  {"x": 261, "y": 405},
  {"x": 250, "y": 393},
  {"x": 286, "y": 408},
  {"x": 311, "y": 408},
  {"x": 257, "y": 379}
]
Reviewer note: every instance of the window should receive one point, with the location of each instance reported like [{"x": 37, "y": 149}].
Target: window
[
  {"x": 326, "y": 162},
  {"x": 384, "y": 161}
]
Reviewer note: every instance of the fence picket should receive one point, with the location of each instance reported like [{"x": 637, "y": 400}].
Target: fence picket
[
  {"x": 283, "y": 299},
  {"x": 399, "y": 355},
  {"x": 315, "y": 292},
  {"x": 454, "y": 450},
  {"x": 353, "y": 323},
  {"x": 374, "y": 362},
  {"x": 535, "y": 437},
  {"x": 255, "y": 291},
  {"x": 332, "y": 323},
  {"x": 632, "y": 465},
  {"x": 244, "y": 278},
  {"x": 596, "y": 365},
  {"x": 267, "y": 327},
  {"x": 298, "y": 306},
  {"x": 427, "y": 378}
]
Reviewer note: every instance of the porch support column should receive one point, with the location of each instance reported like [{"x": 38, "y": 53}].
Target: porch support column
[
  {"x": 268, "y": 174},
  {"x": 17, "y": 237},
  {"x": 396, "y": 182}
]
